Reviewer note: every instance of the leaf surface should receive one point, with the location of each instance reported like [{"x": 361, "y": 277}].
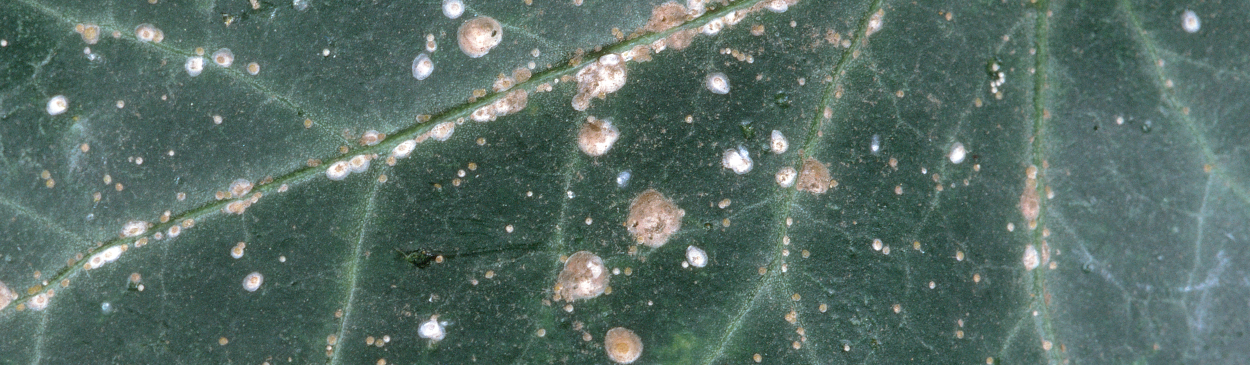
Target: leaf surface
[{"x": 1097, "y": 215}]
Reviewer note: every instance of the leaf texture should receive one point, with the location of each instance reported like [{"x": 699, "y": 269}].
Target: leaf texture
[{"x": 1009, "y": 182}]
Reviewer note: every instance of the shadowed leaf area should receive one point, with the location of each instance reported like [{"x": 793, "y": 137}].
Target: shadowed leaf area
[{"x": 588, "y": 181}]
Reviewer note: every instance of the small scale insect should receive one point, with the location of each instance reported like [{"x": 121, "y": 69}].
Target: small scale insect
[
  {"x": 452, "y": 9},
  {"x": 717, "y": 83},
  {"x": 738, "y": 160},
  {"x": 1190, "y": 21},
  {"x": 622, "y": 179},
  {"x": 696, "y": 256},
  {"x": 433, "y": 329},
  {"x": 223, "y": 57},
  {"x": 194, "y": 66},
  {"x": 422, "y": 67},
  {"x": 57, "y": 105}
]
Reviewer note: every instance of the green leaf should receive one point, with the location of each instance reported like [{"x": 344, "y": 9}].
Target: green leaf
[{"x": 1011, "y": 182}]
